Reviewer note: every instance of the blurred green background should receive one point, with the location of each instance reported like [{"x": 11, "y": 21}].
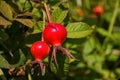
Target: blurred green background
[{"x": 93, "y": 40}]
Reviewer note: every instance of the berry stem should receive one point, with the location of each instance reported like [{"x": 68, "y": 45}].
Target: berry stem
[
  {"x": 48, "y": 13},
  {"x": 53, "y": 58},
  {"x": 37, "y": 64},
  {"x": 65, "y": 52},
  {"x": 42, "y": 39}
]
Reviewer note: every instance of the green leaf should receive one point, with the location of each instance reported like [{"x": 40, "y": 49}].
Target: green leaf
[
  {"x": 112, "y": 57},
  {"x": 26, "y": 14},
  {"x": 103, "y": 32},
  {"x": 38, "y": 27},
  {"x": 58, "y": 15},
  {"x": 116, "y": 38},
  {"x": 66, "y": 66},
  {"x": 3, "y": 36},
  {"x": 89, "y": 46},
  {"x": 4, "y": 22},
  {"x": 78, "y": 30},
  {"x": 36, "y": 13},
  {"x": 2, "y": 75},
  {"x": 4, "y": 63},
  {"x": 27, "y": 6},
  {"x": 6, "y": 10},
  {"x": 27, "y": 22},
  {"x": 21, "y": 60}
]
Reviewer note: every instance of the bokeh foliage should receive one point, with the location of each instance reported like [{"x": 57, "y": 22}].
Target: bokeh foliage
[{"x": 94, "y": 41}]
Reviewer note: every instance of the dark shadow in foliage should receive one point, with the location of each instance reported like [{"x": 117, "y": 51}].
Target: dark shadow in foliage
[
  {"x": 83, "y": 74},
  {"x": 112, "y": 65},
  {"x": 61, "y": 65},
  {"x": 32, "y": 38}
]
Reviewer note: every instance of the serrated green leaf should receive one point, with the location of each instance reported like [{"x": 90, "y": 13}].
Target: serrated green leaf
[
  {"x": 28, "y": 5},
  {"x": 38, "y": 27},
  {"x": 66, "y": 66},
  {"x": 59, "y": 15},
  {"x": 27, "y": 22},
  {"x": 78, "y": 30},
  {"x": 36, "y": 13},
  {"x": 6, "y": 10},
  {"x": 4, "y": 63},
  {"x": 4, "y": 22}
]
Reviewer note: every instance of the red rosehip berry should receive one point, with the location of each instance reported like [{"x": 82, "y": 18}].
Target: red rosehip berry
[
  {"x": 55, "y": 34},
  {"x": 39, "y": 50},
  {"x": 98, "y": 10}
]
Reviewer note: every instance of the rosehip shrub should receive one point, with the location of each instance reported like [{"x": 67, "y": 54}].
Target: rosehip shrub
[{"x": 98, "y": 10}]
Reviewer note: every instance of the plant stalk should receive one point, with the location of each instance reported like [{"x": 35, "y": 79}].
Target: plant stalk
[
  {"x": 48, "y": 13},
  {"x": 111, "y": 24}
]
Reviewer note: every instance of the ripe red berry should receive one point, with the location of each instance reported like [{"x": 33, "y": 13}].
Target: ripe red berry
[
  {"x": 98, "y": 10},
  {"x": 54, "y": 34},
  {"x": 39, "y": 50}
]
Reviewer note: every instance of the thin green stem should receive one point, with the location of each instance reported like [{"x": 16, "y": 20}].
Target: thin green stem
[
  {"x": 43, "y": 23},
  {"x": 114, "y": 17},
  {"x": 48, "y": 13},
  {"x": 111, "y": 24}
]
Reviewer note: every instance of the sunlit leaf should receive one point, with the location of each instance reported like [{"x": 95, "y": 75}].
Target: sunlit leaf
[
  {"x": 59, "y": 15},
  {"x": 38, "y": 27},
  {"x": 27, "y": 22},
  {"x": 27, "y": 6},
  {"x": 26, "y": 14},
  {"x": 78, "y": 30},
  {"x": 4, "y": 63},
  {"x": 4, "y": 22},
  {"x": 36, "y": 13},
  {"x": 6, "y": 10}
]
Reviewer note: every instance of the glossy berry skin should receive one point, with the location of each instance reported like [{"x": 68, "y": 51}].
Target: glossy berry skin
[
  {"x": 54, "y": 34},
  {"x": 98, "y": 10},
  {"x": 39, "y": 50}
]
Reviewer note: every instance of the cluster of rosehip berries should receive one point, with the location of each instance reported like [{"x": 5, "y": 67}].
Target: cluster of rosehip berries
[{"x": 54, "y": 34}]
